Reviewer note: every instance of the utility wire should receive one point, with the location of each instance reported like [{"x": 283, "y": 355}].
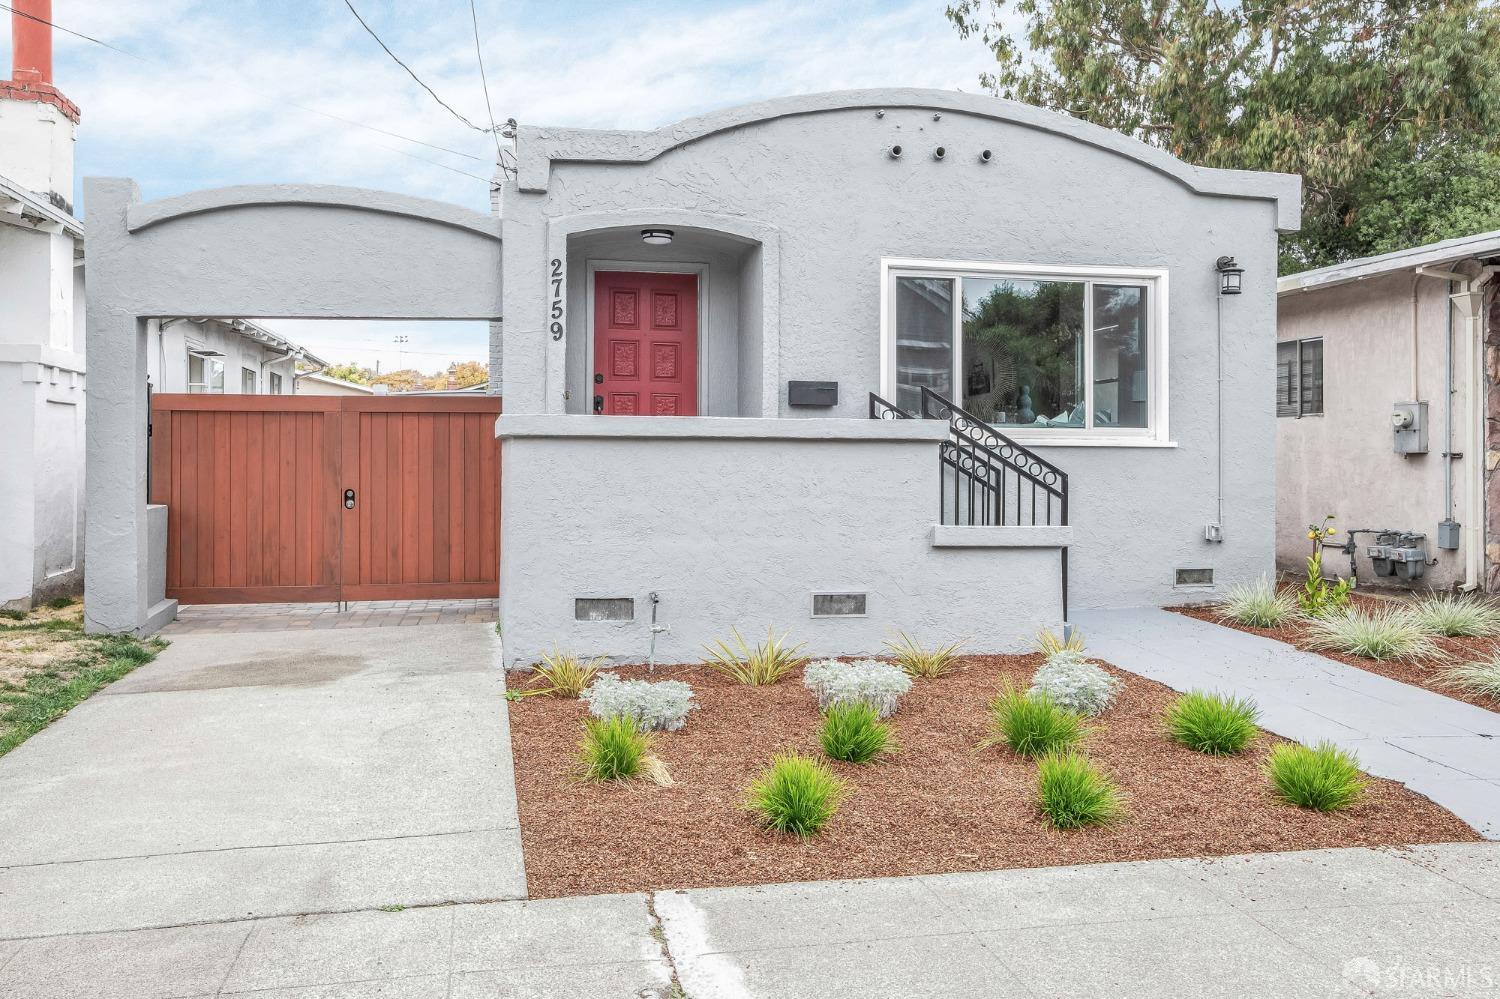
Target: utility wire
[
  {"x": 484, "y": 82},
  {"x": 291, "y": 104},
  {"x": 409, "y": 72}
]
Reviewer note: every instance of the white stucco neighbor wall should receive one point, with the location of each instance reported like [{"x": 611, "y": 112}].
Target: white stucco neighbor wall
[
  {"x": 171, "y": 341},
  {"x": 1343, "y": 462},
  {"x": 736, "y": 523}
]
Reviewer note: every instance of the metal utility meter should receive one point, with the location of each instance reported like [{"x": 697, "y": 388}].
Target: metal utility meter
[
  {"x": 1398, "y": 553},
  {"x": 1409, "y": 421}
]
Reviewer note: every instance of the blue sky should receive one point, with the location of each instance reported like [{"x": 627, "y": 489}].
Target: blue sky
[{"x": 207, "y": 102}]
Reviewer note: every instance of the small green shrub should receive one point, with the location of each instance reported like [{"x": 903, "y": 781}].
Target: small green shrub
[
  {"x": 1319, "y": 596},
  {"x": 922, "y": 663},
  {"x": 1048, "y": 644},
  {"x": 1453, "y": 616},
  {"x": 61, "y": 603},
  {"x": 12, "y": 614},
  {"x": 613, "y": 748},
  {"x": 1475, "y": 678},
  {"x": 795, "y": 794},
  {"x": 766, "y": 663},
  {"x": 1324, "y": 778},
  {"x": 1073, "y": 793},
  {"x": 869, "y": 681},
  {"x": 854, "y": 733},
  {"x": 1258, "y": 605},
  {"x": 563, "y": 674},
  {"x": 1075, "y": 684},
  {"x": 1213, "y": 723},
  {"x": 1032, "y": 724},
  {"x": 1387, "y": 633}
]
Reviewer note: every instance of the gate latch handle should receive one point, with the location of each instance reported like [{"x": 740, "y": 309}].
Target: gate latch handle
[{"x": 348, "y": 499}]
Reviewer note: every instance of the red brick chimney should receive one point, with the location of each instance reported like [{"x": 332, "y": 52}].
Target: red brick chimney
[{"x": 31, "y": 58}]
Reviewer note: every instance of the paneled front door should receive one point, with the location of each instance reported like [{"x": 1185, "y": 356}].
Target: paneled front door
[{"x": 645, "y": 344}]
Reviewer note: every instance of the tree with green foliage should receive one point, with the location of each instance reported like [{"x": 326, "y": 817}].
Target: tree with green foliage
[{"x": 1389, "y": 110}]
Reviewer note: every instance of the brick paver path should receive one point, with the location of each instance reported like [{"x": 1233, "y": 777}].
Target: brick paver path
[{"x": 198, "y": 619}]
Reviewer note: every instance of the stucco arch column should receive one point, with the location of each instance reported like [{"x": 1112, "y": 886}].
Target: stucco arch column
[{"x": 553, "y": 315}]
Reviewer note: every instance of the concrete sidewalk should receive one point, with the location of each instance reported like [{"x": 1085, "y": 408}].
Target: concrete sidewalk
[
  {"x": 251, "y": 775},
  {"x": 1418, "y": 922},
  {"x": 1439, "y": 747}
]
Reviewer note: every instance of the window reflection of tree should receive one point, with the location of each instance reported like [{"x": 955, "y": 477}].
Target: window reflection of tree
[{"x": 1023, "y": 351}]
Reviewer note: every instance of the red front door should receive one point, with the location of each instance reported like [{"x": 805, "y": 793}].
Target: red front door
[{"x": 645, "y": 344}]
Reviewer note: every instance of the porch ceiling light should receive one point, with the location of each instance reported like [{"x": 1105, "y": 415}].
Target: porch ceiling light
[
  {"x": 1229, "y": 275},
  {"x": 656, "y": 237}
]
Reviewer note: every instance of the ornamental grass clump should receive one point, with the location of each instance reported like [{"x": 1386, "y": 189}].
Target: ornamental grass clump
[
  {"x": 865, "y": 681},
  {"x": 764, "y": 664},
  {"x": 563, "y": 674},
  {"x": 1075, "y": 684},
  {"x": 1032, "y": 725},
  {"x": 795, "y": 794},
  {"x": 1047, "y": 643},
  {"x": 916, "y": 661},
  {"x": 1072, "y": 793},
  {"x": 1453, "y": 616},
  {"x": 1384, "y": 634},
  {"x": 663, "y": 705},
  {"x": 613, "y": 748},
  {"x": 1482, "y": 677},
  {"x": 854, "y": 733},
  {"x": 1324, "y": 778},
  {"x": 1258, "y": 605},
  {"x": 1213, "y": 723}
]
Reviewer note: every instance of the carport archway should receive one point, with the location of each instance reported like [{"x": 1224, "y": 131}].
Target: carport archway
[{"x": 282, "y": 251}]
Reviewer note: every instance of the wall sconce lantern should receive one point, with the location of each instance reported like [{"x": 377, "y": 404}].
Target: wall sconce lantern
[
  {"x": 1230, "y": 274},
  {"x": 656, "y": 237}
]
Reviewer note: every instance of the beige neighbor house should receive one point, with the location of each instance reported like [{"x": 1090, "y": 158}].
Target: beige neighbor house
[{"x": 1388, "y": 415}]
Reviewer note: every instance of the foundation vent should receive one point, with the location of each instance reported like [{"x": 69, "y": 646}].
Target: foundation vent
[
  {"x": 838, "y": 604},
  {"x": 1195, "y": 577},
  {"x": 604, "y": 609}
]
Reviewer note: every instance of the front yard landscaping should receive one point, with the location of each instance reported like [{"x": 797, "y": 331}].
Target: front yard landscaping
[
  {"x": 1399, "y": 638},
  {"x": 977, "y": 770},
  {"x": 48, "y": 665}
]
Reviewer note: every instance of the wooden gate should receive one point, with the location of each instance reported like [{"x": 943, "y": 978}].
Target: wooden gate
[{"x": 323, "y": 498}]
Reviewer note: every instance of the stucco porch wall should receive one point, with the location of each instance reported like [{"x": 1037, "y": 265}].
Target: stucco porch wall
[{"x": 736, "y": 523}]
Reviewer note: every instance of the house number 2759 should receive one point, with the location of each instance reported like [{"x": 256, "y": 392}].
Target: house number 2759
[{"x": 556, "y": 278}]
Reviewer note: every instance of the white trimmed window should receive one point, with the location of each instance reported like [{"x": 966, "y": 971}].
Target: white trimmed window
[
  {"x": 205, "y": 373},
  {"x": 1047, "y": 354}
]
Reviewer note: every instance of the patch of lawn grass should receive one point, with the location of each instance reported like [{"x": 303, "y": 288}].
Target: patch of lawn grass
[{"x": 49, "y": 693}]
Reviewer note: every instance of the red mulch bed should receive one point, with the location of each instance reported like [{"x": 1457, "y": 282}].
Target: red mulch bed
[
  {"x": 939, "y": 805},
  {"x": 1423, "y": 674}
]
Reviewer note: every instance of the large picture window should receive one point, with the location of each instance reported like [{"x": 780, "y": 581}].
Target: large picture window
[{"x": 1072, "y": 352}]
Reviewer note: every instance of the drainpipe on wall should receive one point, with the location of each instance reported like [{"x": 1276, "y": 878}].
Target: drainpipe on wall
[{"x": 1471, "y": 302}]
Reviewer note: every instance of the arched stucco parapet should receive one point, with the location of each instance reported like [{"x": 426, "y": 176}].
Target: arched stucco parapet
[
  {"x": 738, "y": 228},
  {"x": 541, "y": 147},
  {"x": 143, "y": 215}
]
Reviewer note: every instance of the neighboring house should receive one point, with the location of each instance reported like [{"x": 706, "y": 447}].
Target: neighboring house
[
  {"x": 317, "y": 383},
  {"x": 1386, "y": 373},
  {"x": 42, "y": 368},
  {"x": 700, "y": 322},
  {"x": 224, "y": 357}
]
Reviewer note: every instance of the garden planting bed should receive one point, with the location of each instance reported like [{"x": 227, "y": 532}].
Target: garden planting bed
[
  {"x": 939, "y": 804},
  {"x": 1422, "y": 673}
]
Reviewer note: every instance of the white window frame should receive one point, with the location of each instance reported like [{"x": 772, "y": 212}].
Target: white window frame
[
  {"x": 204, "y": 387},
  {"x": 1154, "y": 434}
]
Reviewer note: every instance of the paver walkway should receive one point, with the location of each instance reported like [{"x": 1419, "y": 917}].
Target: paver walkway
[
  {"x": 197, "y": 619},
  {"x": 264, "y": 774},
  {"x": 1332, "y": 923},
  {"x": 1440, "y": 747}
]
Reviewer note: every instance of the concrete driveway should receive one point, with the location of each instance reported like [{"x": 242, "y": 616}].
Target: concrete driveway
[{"x": 250, "y": 775}]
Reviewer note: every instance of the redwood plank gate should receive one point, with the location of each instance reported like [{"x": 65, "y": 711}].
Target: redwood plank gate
[{"x": 325, "y": 498}]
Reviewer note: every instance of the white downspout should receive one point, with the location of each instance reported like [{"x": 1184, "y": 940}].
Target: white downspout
[{"x": 1471, "y": 302}]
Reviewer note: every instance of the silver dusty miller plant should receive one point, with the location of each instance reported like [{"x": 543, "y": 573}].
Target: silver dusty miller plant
[
  {"x": 661, "y": 705},
  {"x": 1074, "y": 683},
  {"x": 878, "y": 684}
]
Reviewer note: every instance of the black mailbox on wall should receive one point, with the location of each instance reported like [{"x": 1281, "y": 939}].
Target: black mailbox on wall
[{"x": 812, "y": 393}]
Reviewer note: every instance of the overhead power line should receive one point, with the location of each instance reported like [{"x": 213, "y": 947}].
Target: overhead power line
[
  {"x": 291, "y": 104},
  {"x": 484, "y": 82},
  {"x": 409, "y": 71}
]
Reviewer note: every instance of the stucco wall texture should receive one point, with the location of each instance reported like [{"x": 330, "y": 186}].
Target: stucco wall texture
[
  {"x": 1344, "y": 462},
  {"x": 820, "y": 183},
  {"x": 740, "y": 533}
]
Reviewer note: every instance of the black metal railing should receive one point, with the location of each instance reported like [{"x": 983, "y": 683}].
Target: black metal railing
[{"x": 986, "y": 479}]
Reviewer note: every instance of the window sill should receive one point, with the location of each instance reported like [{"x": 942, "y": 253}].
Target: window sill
[{"x": 1034, "y": 441}]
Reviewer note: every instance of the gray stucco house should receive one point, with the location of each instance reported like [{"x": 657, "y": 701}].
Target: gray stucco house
[{"x": 696, "y": 324}]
